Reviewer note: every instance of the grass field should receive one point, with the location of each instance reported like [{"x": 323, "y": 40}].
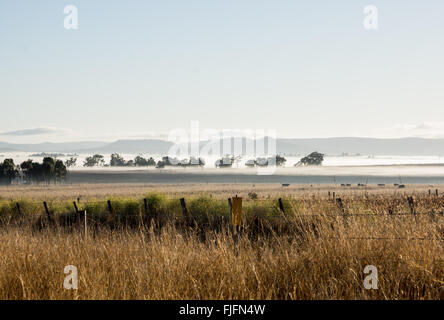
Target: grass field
[
  {"x": 316, "y": 250},
  {"x": 89, "y": 191}
]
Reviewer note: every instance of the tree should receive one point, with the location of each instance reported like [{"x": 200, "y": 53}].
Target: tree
[
  {"x": 60, "y": 170},
  {"x": 130, "y": 163},
  {"x": 160, "y": 164},
  {"x": 250, "y": 163},
  {"x": 33, "y": 171},
  {"x": 170, "y": 161},
  {"x": 71, "y": 162},
  {"x": 142, "y": 162},
  {"x": 95, "y": 160},
  {"x": 265, "y": 162},
  {"x": 167, "y": 161},
  {"x": 8, "y": 171},
  {"x": 26, "y": 167},
  {"x": 225, "y": 162},
  {"x": 48, "y": 167},
  {"x": 50, "y": 170},
  {"x": 313, "y": 159},
  {"x": 38, "y": 172},
  {"x": 200, "y": 162},
  {"x": 151, "y": 162},
  {"x": 280, "y": 161},
  {"x": 117, "y": 160},
  {"x": 192, "y": 162}
]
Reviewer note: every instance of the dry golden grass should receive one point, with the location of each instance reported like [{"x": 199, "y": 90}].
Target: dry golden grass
[{"x": 317, "y": 257}]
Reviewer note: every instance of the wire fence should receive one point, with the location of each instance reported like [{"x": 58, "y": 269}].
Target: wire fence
[{"x": 341, "y": 211}]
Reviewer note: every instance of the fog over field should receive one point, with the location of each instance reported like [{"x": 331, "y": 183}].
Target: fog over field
[{"x": 330, "y": 161}]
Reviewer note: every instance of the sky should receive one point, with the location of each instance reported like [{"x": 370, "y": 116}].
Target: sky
[{"x": 139, "y": 69}]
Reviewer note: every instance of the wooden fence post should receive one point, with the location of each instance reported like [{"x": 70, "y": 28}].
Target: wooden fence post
[
  {"x": 18, "y": 209},
  {"x": 184, "y": 208},
  {"x": 110, "y": 208},
  {"x": 47, "y": 211},
  {"x": 436, "y": 192},
  {"x": 236, "y": 217},
  {"x": 150, "y": 215},
  {"x": 75, "y": 207},
  {"x": 145, "y": 206},
  {"x": 281, "y": 206},
  {"x": 340, "y": 205},
  {"x": 411, "y": 205}
]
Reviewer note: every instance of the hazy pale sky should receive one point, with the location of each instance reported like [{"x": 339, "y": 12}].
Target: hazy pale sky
[{"x": 138, "y": 69}]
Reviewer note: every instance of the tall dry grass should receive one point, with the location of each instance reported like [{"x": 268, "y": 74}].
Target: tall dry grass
[
  {"x": 317, "y": 257},
  {"x": 315, "y": 251}
]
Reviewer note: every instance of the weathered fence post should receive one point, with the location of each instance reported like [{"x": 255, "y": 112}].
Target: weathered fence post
[
  {"x": 230, "y": 205},
  {"x": 184, "y": 208},
  {"x": 236, "y": 217},
  {"x": 75, "y": 207},
  {"x": 150, "y": 215},
  {"x": 411, "y": 205},
  {"x": 110, "y": 208},
  {"x": 145, "y": 206},
  {"x": 18, "y": 209},
  {"x": 281, "y": 206},
  {"x": 47, "y": 211},
  {"x": 340, "y": 205}
]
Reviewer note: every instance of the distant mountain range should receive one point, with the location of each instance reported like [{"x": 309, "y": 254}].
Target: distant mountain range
[
  {"x": 329, "y": 146},
  {"x": 51, "y": 147}
]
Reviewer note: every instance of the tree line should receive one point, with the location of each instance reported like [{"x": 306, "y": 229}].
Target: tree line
[
  {"x": 49, "y": 171},
  {"x": 313, "y": 159},
  {"x": 116, "y": 161},
  {"x": 52, "y": 170}
]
